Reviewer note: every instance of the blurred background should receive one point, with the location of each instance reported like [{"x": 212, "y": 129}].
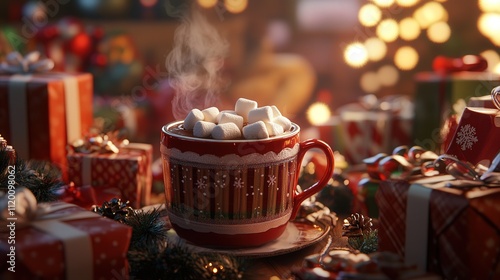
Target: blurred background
[{"x": 303, "y": 55}]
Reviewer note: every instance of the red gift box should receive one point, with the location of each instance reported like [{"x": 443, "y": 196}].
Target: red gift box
[
  {"x": 476, "y": 138},
  {"x": 452, "y": 232},
  {"x": 88, "y": 196},
  {"x": 67, "y": 242},
  {"x": 129, "y": 170},
  {"x": 41, "y": 113}
]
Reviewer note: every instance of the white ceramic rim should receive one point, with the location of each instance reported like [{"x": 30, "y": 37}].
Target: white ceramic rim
[{"x": 165, "y": 129}]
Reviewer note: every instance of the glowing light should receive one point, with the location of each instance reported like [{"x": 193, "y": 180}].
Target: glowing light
[
  {"x": 492, "y": 58},
  {"x": 409, "y": 29},
  {"x": 376, "y": 48},
  {"x": 383, "y": 3},
  {"x": 407, "y": 3},
  {"x": 439, "y": 32},
  {"x": 388, "y": 30},
  {"x": 356, "y": 55},
  {"x": 369, "y": 15},
  {"x": 207, "y": 3},
  {"x": 489, "y": 6},
  {"x": 430, "y": 13},
  {"x": 496, "y": 69},
  {"x": 369, "y": 82},
  {"x": 149, "y": 3},
  {"x": 388, "y": 75},
  {"x": 406, "y": 58},
  {"x": 318, "y": 113},
  {"x": 489, "y": 25},
  {"x": 235, "y": 6}
]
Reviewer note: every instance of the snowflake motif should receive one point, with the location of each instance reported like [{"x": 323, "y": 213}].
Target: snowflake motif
[
  {"x": 238, "y": 183},
  {"x": 466, "y": 137},
  {"x": 271, "y": 180},
  {"x": 201, "y": 184}
]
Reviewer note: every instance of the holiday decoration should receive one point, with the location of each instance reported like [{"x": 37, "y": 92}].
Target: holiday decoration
[
  {"x": 41, "y": 112},
  {"x": 442, "y": 223},
  {"x": 477, "y": 134},
  {"x": 437, "y": 92},
  {"x": 359, "y": 232},
  {"x": 81, "y": 243},
  {"x": 103, "y": 161},
  {"x": 114, "y": 209},
  {"x": 383, "y": 123}
]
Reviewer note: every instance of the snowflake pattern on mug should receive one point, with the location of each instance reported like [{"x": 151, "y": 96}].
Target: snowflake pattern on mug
[
  {"x": 272, "y": 180},
  {"x": 466, "y": 137},
  {"x": 238, "y": 183}
]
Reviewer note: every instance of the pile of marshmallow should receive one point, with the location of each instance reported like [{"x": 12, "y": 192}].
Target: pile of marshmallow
[{"x": 247, "y": 121}]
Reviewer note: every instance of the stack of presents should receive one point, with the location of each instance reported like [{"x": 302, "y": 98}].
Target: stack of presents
[
  {"x": 427, "y": 169},
  {"x": 48, "y": 116}
]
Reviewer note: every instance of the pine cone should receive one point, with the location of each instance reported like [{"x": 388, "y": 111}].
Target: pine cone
[{"x": 355, "y": 225}]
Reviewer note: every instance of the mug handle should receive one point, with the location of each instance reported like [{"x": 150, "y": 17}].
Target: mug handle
[{"x": 316, "y": 187}]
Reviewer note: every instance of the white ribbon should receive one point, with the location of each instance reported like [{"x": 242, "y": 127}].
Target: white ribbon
[{"x": 17, "y": 64}]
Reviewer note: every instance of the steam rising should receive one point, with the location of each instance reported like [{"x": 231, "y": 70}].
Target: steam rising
[{"x": 194, "y": 64}]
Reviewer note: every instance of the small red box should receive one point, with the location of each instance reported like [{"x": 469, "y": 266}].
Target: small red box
[
  {"x": 41, "y": 114},
  {"x": 476, "y": 138},
  {"x": 129, "y": 171},
  {"x": 67, "y": 242},
  {"x": 460, "y": 226}
]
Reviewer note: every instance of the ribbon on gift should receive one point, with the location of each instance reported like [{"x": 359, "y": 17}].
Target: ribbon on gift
[
  {"x": 22, "y": 70},
  {"x": 461, "y": 175},
  {"x": 48, "y": 218}
]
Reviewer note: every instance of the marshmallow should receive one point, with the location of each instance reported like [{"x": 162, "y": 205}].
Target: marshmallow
[
  {"x": 210, "y": 114},
  {"x": 203, "y": 129},
  {"x": 256, "y": 130},
  {"x": 274, "y": 129},
  {"x": 225, "y": 111},
  {"x": 231, "y": 118},
  {"x": 284, "y": 122},
  {"x": 226, "y": 131},
  {"x": 243, "y": 106},
  {"x": 264, "y": 114},
  {"x": 276, "y": 111},
  {"x": 194, "y": 116}
]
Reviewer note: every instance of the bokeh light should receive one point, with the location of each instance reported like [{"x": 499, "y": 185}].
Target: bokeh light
[
  {"x": 369, "y": 15},
  {"x": 383, "y": 3},
  {"x": 148, "y": 3},
  {"x": 318, "y": 113},
  {"x": 489, "y": 6},
  {"x": 409, "y": 29},
  {"x": 489, "y": 25},
  {"x": 439, "y": 32},
  {"x": 369, "y": 82},
  {"x": 406, "y": 58},
  {"x": 407, "y": 3},
  {"x": 492, "y": 58},
  {"x": 356, "y": 55},
  {"x": 235, "y": 6},
  {"x": 207, "y": 3},
  {"x": 388, "y": 30},
  {"x": 430, "y": 13},
  {"x": 388, "y": 75},
  {"x": 376, "y": 48}
]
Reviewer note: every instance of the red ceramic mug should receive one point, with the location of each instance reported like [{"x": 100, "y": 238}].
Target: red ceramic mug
[{"x": 235, "y": 193}]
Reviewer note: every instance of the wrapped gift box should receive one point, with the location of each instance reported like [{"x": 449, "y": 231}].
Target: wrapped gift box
[
  {"x": 434, "y": 97},
  {"x": 476, "y": 139},
  {"x": 68, "y": 242},
  {"x": 129, "y": 170},
  {"x": 41, "y": 113},
  {"x": 359, "y": 132},
  {"x": 453, "y": 232},
  {"x": 87, "y": 196}
]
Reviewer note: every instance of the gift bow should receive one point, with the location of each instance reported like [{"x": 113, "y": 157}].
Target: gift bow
[
  {"x": 31, "y": 63},
  {"x": 101, "y": 144},
  {"x": 474, "y": 63},
  {"x": 495, "y": 95}
]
